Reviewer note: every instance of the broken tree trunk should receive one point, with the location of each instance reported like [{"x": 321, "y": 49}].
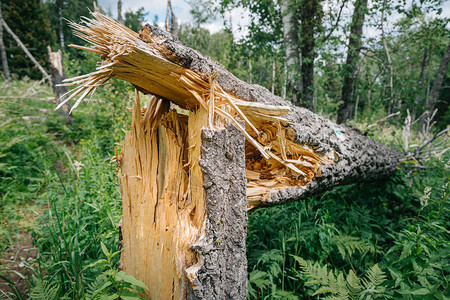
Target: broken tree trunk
[
  {"x": 58, "y": 76},
  {"x": 189, "y": 174}
]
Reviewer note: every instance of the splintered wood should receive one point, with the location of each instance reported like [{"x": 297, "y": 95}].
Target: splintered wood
[
  {"x": 163, "y": 197},
  {"x": 274, "y": 160}
]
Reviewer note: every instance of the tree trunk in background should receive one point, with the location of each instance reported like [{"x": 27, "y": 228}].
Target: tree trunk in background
[
  {"x": 60, "y": 25},
  {"x": 5, "y": 66},
  {"x": 58, "y": 75},
  {"x": 174, "y": 25},
  {"x": 310, "y": 16},
  {"x": 351, "y": 65},
  {"x": 185, "y": 178},
  {"x": 171, "y": 20},
  {"x": 119, "y": 12},
  {"x": 293, "y": 59},
  {"x": 419, "y": 87},
  {"x": 437, "y": 84}
]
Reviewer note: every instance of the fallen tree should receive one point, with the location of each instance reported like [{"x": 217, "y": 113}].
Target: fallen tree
[{"x": 206, "y": 149}]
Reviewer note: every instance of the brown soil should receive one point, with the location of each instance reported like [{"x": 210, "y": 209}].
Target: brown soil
[{"x": 14, "y": 264}]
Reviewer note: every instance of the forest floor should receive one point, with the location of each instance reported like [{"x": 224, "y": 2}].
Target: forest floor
[{"x": 15, "y": 260}]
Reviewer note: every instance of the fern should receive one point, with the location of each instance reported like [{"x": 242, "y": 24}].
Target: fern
[
  {"x": 44, "y": 290},
  {"x": 347, "y": 245},
  {"x": 97, "y": 287},
  {"x": 259, "y": 279},
  {"x": 336, "y": 286},
  {"x": 273, "y": 260},
  {"x": 372, "y": 283}
]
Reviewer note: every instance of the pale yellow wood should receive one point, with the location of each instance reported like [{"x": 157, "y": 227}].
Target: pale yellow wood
[{"x": 163, "y": 202}]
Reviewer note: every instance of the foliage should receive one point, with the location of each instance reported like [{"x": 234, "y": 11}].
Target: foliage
[
  {"x": 134, "y": 20},
  {"x": 26, "y": 151},
  {"x": 29, "y": 21},
  {"x": 83, "y": 208},
  {"x": 343, "y": 287},
  {"x": 400, "y": 226},
  {"x": 44, "y": 291},
  {"x": 62, "y": 11}
]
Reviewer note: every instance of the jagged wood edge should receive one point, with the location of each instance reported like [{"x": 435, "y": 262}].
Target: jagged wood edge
[{"x": 360, "y": 158}]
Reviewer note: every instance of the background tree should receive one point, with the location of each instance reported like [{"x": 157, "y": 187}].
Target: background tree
[
  {"x": 5, "y": 67},
  {"x": 310, "y": 23},
  {"x": 350, "y": 69},
  {"x": 119, "y": 12},
  {"x": 294, "y": 83},
  {"x": 59, "y": 11},
  {"x": 135, "y": 20},
  {"x": 29, "y": 21}
]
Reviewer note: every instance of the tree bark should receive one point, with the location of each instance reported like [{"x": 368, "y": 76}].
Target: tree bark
[
  {"x": 437, "y": 84},
  {"x": 5, "y": 66},
  {"x": 119, "y": 12},
  {"x": 419, "y": 88},
  {"x": 311, "y": 15},
  {"x": 293, "y": 59},
  {"x": 171, "y": 20},
  {"x": 60, "y": 24},
  {"x": 58, "y": 76},
  {"x": 185, "y": 174},
  {"x": 389, "y": 61},
  {"x": 351, "y": 64}
]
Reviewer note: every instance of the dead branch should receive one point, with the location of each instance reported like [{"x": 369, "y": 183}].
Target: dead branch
[
  {"x": 30, "y": 56},
  {"x": 382, "y": 120}
]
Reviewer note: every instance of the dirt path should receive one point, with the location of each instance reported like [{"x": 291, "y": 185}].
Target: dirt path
[{"x": 14, "y": 265}]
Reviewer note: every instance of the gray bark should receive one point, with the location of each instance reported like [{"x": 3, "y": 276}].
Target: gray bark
[
  {"x": 61, "y": 31},
  {"x": 293, "y": 59},
  {"x": 423, "y": 66},
  {"x": 223, "y": 273},
  {"x": 434, "y": 93},
  {"x": 171, "y": 20},
  {"x": 119, "y": 12},
  {"x": 360, "y": 158},
  {"x": 354, "y": 48},
  {"x": 437, "y": 84},
  {"x": 311, "y": 15},
  {"x": 58, "y": 75},
  {"x": 5, "y": 66}
]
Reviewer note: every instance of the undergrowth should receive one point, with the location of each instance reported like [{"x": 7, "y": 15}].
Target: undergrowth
[
  {"x": 364, "y": 241},
  {"x": 64, "y": 174}
]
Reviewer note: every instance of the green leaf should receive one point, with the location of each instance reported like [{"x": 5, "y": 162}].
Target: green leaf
[
  {"x": 129, "y": 295},
  {"x": 323, "y": 290},
  {"x": 102, "y": 288},
  {"x": 406, "y": 250},
  {"x": 130, "y": 279},
  {"x": 259, "y": 278},
  {"x": 110, "y": 297},
  {"x": 96, "y": 263},
  {"x": 422, "y": 291},
  {"x": 104, "y": 249}
]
